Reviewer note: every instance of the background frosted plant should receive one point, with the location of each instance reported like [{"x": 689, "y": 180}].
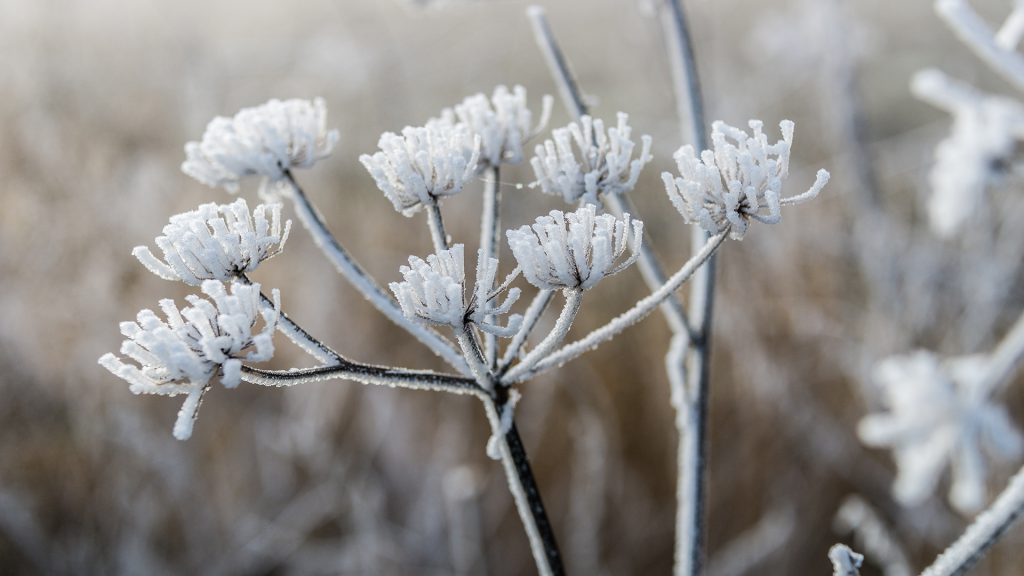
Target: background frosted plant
[
  {"x": 739, "y": 180},
  {"x": 216, "y": 242},
  {"x": 584, "y": 160},
  {"x": 266, "y": 140},
  {"x": 503, "y": 122},
  {"x": 180, "y": 355}
]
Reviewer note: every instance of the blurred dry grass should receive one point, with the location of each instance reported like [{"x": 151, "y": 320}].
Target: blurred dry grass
[{"x": 98, "y": 99}]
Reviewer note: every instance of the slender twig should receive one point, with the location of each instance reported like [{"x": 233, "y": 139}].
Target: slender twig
[
  {"x": 354, "y": 273},
  {"x": 490, "y": 228},
  {"x": 1012, "y": 30},
  {"x": 435, "y": 222},
  {"x": 365, "y": 374},
  {"x": 533, "y": 314},
  {"x": 977, "y": 35},
  {"x": 564, "y": 79},
  {"x": 983, "y": 533},
  {"x": 1005, "y": 360},
  {"x": 299, "y": 336},
  {"x": 573, "y": 299}
]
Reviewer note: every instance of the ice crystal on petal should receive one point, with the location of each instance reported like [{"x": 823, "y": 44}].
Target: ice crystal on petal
[
  {"x": 216, "y": 242},
  {"x": 434, "y": 291},
  {"x": 977, "y": 153},
  {"x": 938, "y": 416},
  {"x": 264, "y": 140},
  {"x": 180, "y": 355},
  {"x": 739, "y": 179},
  {"x": 575, "y": 250},
  {"x": 423, "y": 164},
  {"x": 584, "y": 161},
  {"x": 503, "y": 122}
]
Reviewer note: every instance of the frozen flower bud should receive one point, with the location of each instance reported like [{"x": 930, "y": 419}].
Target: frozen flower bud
[
  {"x": 216, "y": 242},
  {"x": 434, "y": 292},
  {"x": 503, "y": 122},
  {"x": 180, "y": 355},
  {"x": 740, "y": 179},
  {"x": 423, "y": 164},
  {"x": 584, "y": 161},
  {"x": 978, "y": 152},
  {"x": 938, "y": 415},
  {"x": 575, "y": 250},
  {"x": 264, "y": 141}
]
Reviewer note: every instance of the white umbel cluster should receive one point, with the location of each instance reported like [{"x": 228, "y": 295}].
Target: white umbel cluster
[
  {"x": 434, "y": 291},
  {"x": 978, "y": 152},
  {"x": 503, "y": 122},
  {"x": 584, "y": 161},
  {"x": 938, "y": 416},
  {"x": 575, "y": 250},
  {"x": 265, "y": 141},
  {"x": 423, "y": 164},
  {"x": 180, "y": 355},
  {"x": 740, "y": 179},
  {"x": 216, "y": 242}
]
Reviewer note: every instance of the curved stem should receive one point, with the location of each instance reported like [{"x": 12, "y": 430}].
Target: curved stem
[
  {"x": 354, "y": 273},
  {"x": 573, "y": 299},
  {"x": 533, "y": 314},
  {"x": 309, "y": 344},
  {"x": 365, "y": 374}
]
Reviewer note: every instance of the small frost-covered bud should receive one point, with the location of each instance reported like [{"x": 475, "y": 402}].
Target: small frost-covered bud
[
  {"x": 503, "y": 122},
  {"x": 434, "y": 292},
  {"x": 216, "y": 242},
  {"x": 939, "y": 415},
  {"x": 845, "y": 562},
  {"x": 423, "y": 164},
  {"x": 738, "y": 180},
  {"x": 180, "y": 355},
  {"x": 575, "y": 250},
  {"x": 263, "y": 141},
  {"x": 978, "y": 152},
  {"x": 584, "y": 161}
]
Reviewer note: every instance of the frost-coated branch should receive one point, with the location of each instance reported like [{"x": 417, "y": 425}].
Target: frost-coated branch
[
  {"x": 983, "y": 533},
  {"x": 845, "y": 562},
  {"x": 435, "y": 222},
  {"x": 304, "y": 340},
  {"x": 490, "y": 231},
  {"x": 557, "y": 64},
  {"x": 1005, "y": 360},
  {"x": 365, "y": 374},
  {"x": 974, "y": 32},
  {"x": 631, "y": 316},
  {"x": 573, "y": 298},
  {"x": 533, "y": 314},
  {"x": 1012, "y": 30},
  {"x": 354, "y": 273}
]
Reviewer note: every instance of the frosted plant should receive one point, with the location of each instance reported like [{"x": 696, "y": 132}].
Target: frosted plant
[
  {"x": 503, "y": 122},
  {"x": 180, "y": 355},
  {"x": 575, "y": 250},
  {"x": 737, "y": 181},
  {"x": 266, "y": 140},
  {"x": 584, "y": 161},
  {"x": 434, "y": 291},
  {"x": 423, "y": 164},
  {"x": 940, "y": 414},
  {"x": 978, "y": 152},
  {"x": 216, "y": 242},
  {"x": 845, "y": 562}
]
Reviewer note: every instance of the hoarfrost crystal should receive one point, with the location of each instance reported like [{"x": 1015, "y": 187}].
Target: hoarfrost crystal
[
  {"x": 584, "y": 161},
  {"x": 216, "y": 242},
  {"x": 939, "y": 414},
  {"x": 434, "y": 292},
  {"x": 265, "y": 140},
  {"x": 423, "y": 164},
  {"x": 738, "y": 180},
  {"x": 180, "y": 355},
  {"x": 575, "y": 250},
  {"x": 503, "y": 122}
]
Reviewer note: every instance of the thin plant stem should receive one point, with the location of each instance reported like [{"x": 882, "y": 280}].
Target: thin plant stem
[
  {"x": 365, "y": 374},
  {"x": 1006, "y": 358},
  {"x": 557, "y": 64},
  {"x": 977, "y": 35},
  {"x": 304, "y": 340},
  {"x": 435, "y": 222},
  {"x": 490, "y": 228},
  {"x": 354, "y": 273},
  {"x": 474, "y": 357},
  {"x": 573, "y": 299},
  {"x": 533, "y": 315}
]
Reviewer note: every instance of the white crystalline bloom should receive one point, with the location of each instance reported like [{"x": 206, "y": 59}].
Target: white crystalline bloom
[
  {"x": 575, "y": 250},
  {"x": 216, "y": 242},
  {"x": 939, "y": 415},
  {"x": 845, "y": 562},
  {"x": 738, "y": 180},
  {"x": 503, "y": 122},
  {"x": 978, "y": 152},
  {"x": 434, "y": 292},
  {"x": 265, "y": 141},
  {"x": 180, "y": 355},
  {"x": 584, "y": 161},
  {"x": 423, "y": 164}
]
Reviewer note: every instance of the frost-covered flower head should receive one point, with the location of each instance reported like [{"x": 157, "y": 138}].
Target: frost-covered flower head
[
  {"x": 575, "y": 250},
  {"x": 738, "y": 180},
  {"x": 216, "y": 242},
  {"x": 938, "y": 415},
  {"x": 180, "y": 355},
  {"x": 265, "y": 141},
  {"x": 584, "y": 161},
  {"x": 978, "y": 152},
  {"x": 503, "y": 122},
  {"x": 423, "y": 163},
  {"x": 434, "y": 291}
]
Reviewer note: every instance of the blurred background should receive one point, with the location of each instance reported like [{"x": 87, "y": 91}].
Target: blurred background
[{"x": 96, "y": 102}]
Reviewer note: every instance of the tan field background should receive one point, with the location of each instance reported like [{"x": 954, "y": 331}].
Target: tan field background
[{"x": 97, "y": 99}]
